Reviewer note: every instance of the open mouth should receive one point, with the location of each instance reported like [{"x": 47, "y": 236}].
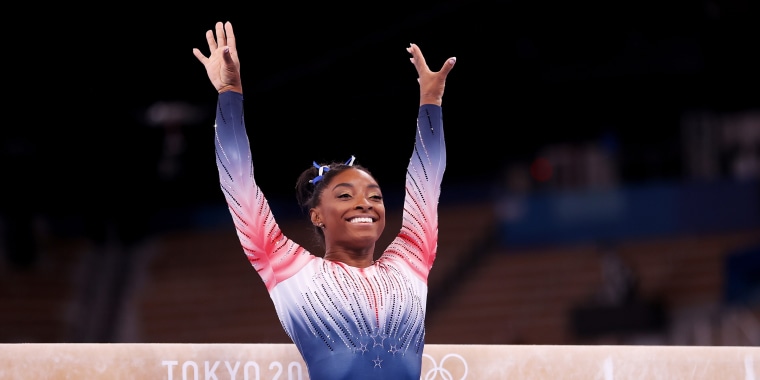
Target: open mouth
[{"x": 361, "y": 220}]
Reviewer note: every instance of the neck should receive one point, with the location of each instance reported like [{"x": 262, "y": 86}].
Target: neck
[{"x": 355, "y": 258}]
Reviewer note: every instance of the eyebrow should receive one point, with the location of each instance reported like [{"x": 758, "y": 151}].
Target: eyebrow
[{"x": 346, "y": 184}]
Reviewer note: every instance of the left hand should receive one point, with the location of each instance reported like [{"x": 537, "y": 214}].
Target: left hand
[{"x": 432, "y": 83}]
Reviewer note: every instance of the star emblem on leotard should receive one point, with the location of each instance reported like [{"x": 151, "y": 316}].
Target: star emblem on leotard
[
  {"x": 377, "y": 362},
  {"x": 378, "y": 339},
  {"x": 362, "y": 348}
]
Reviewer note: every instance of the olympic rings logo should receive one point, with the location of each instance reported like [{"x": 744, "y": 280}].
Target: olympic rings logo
[{"x": 446, "y": 374}]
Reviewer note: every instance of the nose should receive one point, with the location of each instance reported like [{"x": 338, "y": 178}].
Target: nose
[{"x": 363, "y": 204}]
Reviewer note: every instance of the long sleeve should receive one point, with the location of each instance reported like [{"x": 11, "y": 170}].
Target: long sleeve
[
  {"x": 347, "y": 322},
  {"x": 417, "y": 242},
  {"x": 274, "y": 256}
]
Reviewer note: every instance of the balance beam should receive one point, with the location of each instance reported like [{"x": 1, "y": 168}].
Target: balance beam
[{"x": 451, "y": 362}]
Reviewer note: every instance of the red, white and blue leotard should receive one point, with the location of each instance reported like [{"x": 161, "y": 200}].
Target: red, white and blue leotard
[{"x": 347, "y": 322}]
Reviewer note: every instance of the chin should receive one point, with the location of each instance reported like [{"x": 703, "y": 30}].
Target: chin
[{"x": 366, "y": 239}]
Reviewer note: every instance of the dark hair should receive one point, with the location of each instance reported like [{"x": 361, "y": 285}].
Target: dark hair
[{"x": 309, "y": 191}]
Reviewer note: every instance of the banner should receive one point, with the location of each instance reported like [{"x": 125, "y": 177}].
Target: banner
[{"x": 31, "y": 361}]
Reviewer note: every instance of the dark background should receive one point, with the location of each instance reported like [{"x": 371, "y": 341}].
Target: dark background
[
  {"x": 325, "y": 81},
  {"x": 108, "y": 138}
]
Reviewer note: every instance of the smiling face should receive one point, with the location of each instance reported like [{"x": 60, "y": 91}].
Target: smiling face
[{"x": 352, "y": 213}]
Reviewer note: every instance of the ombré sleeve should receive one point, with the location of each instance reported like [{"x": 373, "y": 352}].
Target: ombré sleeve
[
  {"x": 273, "y": 255},
  {"x": 417, "y": 242}
]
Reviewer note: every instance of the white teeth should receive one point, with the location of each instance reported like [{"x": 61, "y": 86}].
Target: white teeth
[{"x": 361, "y": 220}]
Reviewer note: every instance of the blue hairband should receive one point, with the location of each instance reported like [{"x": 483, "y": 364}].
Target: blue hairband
[{"x": 324, "y": 169}]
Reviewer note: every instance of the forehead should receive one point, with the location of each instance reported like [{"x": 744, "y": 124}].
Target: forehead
[{"x": 353, "y": 176}]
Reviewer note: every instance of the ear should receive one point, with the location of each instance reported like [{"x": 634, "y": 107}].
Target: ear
[{"x": 314, "y": 216}]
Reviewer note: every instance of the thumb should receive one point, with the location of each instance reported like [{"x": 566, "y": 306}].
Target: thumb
[
  {"x": 448, "y": 65},
  {"x": 227, "y": 56}
]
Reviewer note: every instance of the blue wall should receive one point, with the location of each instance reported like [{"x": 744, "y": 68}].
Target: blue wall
[{"x": 629, "y": 212}]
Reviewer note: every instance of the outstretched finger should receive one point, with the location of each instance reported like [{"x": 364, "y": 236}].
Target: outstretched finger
[
  {"x": 230, "y": 35},
  {"x": 197, "y": 53},
  {"x": 221, "y": 39},
  {"x": 417, "y": 58},
  {"x": 210, "y": 40}
]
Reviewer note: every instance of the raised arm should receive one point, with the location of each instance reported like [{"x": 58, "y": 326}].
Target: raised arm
[
  {"x": 417, "y": 242},
  {"x": 273, "y": 256}
]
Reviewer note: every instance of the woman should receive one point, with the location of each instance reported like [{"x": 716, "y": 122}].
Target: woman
[{"x": 349, "y": 316}]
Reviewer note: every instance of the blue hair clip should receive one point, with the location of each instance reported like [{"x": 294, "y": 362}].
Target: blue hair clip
[{"x": 324, "y": 169}]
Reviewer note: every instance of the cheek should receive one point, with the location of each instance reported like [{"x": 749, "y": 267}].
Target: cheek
[
  {"x": 381, "y": 213},
  {"x": 335, "y": 210}
]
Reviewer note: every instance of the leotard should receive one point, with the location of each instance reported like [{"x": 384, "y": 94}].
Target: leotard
[{"x": 347, "y": 322}]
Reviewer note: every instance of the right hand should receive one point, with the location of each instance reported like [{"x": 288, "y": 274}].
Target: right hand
[{"x": 222, "y": 64}]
